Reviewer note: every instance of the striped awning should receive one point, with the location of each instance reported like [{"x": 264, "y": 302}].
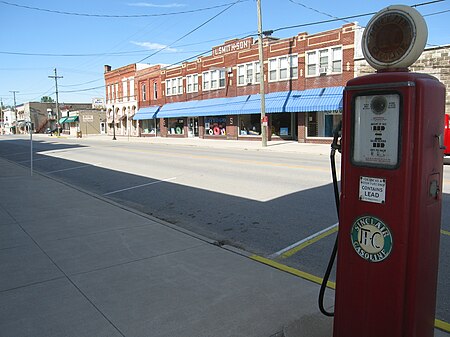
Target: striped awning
[
  {"x": 207, "y": 107},
  {"x": 310, "y": 100},
  {"x": 146, "y": 113}
]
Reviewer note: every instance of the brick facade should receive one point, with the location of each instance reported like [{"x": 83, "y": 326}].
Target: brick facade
[{"x": 228, "y": 57}]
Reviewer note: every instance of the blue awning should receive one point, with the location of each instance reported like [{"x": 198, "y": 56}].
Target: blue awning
[
  {"x": 310, "y": 100},
  {"x": 320, "y": 99},
  {"x": 206, "y": 107},
  {"x": 146, "y": 113},
  {"x": 330, "y": 100}
]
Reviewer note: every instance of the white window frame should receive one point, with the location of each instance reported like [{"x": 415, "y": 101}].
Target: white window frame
[
  {"x": 192, "y": 83},
  {"x": 174, "y": 86},
  {"x": 248, "y": 73},
  {"x": 144, "y": 92},
  {"x": 315, "y": 58},
  {"x": 155, "y": 90},
  {"x": 213, "y": 79},
  {"x": 285, "y": 64},
  {"x": 125, "y": 90}
]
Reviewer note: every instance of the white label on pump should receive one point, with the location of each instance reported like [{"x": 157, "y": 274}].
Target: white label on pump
[
  {"x": 372, "y": 189},
  {"x": 376, "y": 130}
]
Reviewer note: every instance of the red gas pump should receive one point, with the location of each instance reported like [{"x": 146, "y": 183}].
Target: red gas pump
[{"x": 390, "y": 206}]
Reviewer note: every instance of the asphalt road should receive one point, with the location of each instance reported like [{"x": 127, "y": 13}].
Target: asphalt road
[{"x": 262, "y": 202}]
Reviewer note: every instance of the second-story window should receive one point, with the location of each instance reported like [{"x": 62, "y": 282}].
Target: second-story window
[
  {"x": 155, "y": 90},
  {"x": 143, "y": 92},
  {"x": 214, "y": 79},
  {"x": 248, "y": 73},
  {"x": 324, "y": 61},
  {"x": 192, "y": 83},
  {"x": 174, "y": 86},
  {"x": 283, "y": 68},
  {"x": 206, "y": 79}
]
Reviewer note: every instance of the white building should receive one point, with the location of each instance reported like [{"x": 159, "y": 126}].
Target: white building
[{"x": 9, "y": 122}]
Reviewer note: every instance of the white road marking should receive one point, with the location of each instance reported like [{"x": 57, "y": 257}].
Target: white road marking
[
  {"x": 275, "y": 255},
  {"x": 72, "y": 168},
  {"x": 138, "y": 186},
  {"x": 27, "y": 161}
]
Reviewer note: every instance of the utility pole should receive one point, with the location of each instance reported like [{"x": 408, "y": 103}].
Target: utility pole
[
  {"x": 57, "y": 103},
  {"x": 261, "y": 78},
  {"x": 15, "y": 112}
]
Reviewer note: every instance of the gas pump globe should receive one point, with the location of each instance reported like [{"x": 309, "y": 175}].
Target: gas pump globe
[
  {"x": 391, "y": 178},
  {"x": 394, "y": 38}
]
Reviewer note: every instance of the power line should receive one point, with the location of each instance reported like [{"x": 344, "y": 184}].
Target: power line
[
  {"x": 115, "y": 16},
  {"x": 352, "y": 17},
  {"x": 316, "y": 10},
  {"x": 191, "y": 31},
  {"x": 202, "y": 53}
]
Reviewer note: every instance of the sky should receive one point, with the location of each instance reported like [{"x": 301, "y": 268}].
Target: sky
[{"x": 79, "y": 37}]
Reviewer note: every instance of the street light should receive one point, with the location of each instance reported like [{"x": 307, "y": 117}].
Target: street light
[{"x": 114, "y": 124}]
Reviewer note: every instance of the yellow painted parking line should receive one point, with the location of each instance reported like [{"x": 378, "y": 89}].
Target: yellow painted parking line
[
  {"x": 308, "y": 243},
  {"x": 445, "y": 232},
  {"x": 444, "y": 326},
  {"x": 292, "y": 271}
]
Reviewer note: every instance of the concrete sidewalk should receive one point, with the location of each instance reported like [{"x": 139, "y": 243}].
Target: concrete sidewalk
[{"x": 76, "y": 264}]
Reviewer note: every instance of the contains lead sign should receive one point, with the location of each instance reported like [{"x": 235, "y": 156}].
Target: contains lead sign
[{"x": 372, "y": 189}]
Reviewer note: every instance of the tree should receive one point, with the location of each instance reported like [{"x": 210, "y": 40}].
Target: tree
[{"x": 47, "y": 99}]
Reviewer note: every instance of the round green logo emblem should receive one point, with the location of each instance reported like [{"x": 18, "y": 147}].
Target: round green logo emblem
[{"x": 371, "y": 238}]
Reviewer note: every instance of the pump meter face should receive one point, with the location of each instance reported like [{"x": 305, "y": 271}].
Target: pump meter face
[{"x": 376, "y": 130}]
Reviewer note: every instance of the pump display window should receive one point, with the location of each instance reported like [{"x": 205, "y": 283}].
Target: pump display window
[
  {"x": 175, "y": 126},
  {"x": 216, "y": 126},
  {"x": 250, "y": 125},
  {"x": 281, "y": 124},
  {"x": 148, "y": 126},
  {"x": 322, "y": 124}
]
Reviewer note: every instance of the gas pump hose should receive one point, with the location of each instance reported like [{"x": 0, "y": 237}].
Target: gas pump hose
[{"x": 334, "y": 146}]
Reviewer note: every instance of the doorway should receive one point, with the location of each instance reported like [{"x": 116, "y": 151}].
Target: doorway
[{"x": 193, "y": 126}]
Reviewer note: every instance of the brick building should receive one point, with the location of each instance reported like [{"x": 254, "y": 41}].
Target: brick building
[
  {"x": 121, "y": 98},
  {"x": 217, "y": 96}
]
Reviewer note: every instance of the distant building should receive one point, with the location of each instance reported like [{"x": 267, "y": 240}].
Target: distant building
[
  {"x": 9, "y": 122},
  {"x": 43, "y": 115},
  {"x": 85, "y": 122}
]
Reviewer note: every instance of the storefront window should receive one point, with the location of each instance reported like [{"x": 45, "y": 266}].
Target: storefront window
[
  {"x": 322, "y": 124},
  {"x": 215, "y": 126},
  {"x": 175, "y": 126},
  {"x": 148, "y": 126},
  {"x": 250, "y": 125},
  {"x": 282, "y": 125}
]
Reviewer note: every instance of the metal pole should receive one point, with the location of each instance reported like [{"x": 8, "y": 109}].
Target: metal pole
[
  {"x": 31, "y": 148},
  {"x": 114, "y": 124},
  {"x": 261, "y": 78}
]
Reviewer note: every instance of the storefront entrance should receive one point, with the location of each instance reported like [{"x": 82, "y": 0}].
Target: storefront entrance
[{"x": 193, "y": 126}]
